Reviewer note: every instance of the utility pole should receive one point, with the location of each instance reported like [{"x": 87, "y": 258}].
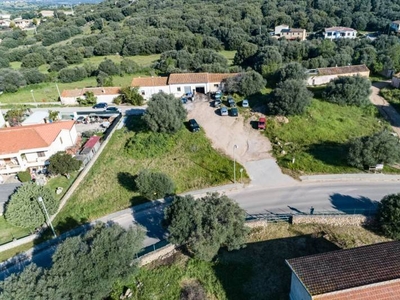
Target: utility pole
[
  {"x": 58, "y": 91},
  {"x": 40, "y": 200}
]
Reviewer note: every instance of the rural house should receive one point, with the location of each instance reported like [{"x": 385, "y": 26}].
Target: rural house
[
  {"x": 181, "y": 83},
  {"x": 395, "y": 26},
  {"x": 290, "y": 33},
  {"x": 333, "y": 33},
  {"x": 363, "y": 273},
  {"x": 30, "y": 147},
  {"x": 103, "y": 94},
  {"x": 324, "y": 75}
]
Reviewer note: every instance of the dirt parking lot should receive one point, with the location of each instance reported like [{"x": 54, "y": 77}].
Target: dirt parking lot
[{"x": 226, "y": 131}]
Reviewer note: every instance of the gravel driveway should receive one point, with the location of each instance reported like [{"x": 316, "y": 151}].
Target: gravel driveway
[{"x": 254, "y": 149}]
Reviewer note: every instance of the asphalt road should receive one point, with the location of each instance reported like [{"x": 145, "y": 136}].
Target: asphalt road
[
  {"x": 337, "y": 196},
  {"x": 6, "y": 190}
]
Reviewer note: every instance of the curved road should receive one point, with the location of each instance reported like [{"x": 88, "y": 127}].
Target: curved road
[{"x": 299, "y": 198}]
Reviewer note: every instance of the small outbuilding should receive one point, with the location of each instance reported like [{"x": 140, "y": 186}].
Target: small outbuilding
[
  {"x": 103, "y": 95},
  {"x": 368, "y": 272},
  {"x": 89, "y": 149},
  {"x": 322, "y": 76}
]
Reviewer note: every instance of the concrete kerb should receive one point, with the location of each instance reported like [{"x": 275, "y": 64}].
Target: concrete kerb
[{"x": 350, "y": 177}]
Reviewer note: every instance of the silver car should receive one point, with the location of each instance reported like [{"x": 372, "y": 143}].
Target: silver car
[
  {"x": 224, "y": 111},
  {"x": 245, "y": 103}
]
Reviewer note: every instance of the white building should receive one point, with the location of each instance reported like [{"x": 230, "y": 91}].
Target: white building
[
  {"x": 181, "y": 83},
  {"x": 279, "y": 28},
  {"x": 103, "y": 94},
  {"x": 38, "y": 117},
  {"x": 333, "y": 33},
  {"x": 395, "y": 26},
  {"x": 30, "y": 147},
  {"x": 2, "y": 121}
]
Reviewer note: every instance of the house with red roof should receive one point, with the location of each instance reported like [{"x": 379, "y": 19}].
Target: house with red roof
[
  {"x": 30, "y": 147},
  {"x": 103, "y": 95},
  {"x": 180, "y": 84},
  {"x": 364, "y": 273}
]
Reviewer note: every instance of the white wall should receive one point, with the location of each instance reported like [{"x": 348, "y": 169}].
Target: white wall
[
  {"x": 100, "y": 98},
  {"x": 297, "y": 290},
  {"x": 337, "y": 35},
  {"x": 279, "y": 28},
  {"x": 150, "y": 90},
  {"x": 68, "y": 100},
  {"x": 2, "y": 121},
  {"x": 106, "y": 98}
]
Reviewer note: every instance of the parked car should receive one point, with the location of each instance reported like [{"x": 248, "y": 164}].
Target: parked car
[
  {"x": 261, "y": 123},
  {"x": 80, "y": 120},
  {"x": 245, "y": 103},
  {"x": 223, "y": 111},
  {"x": 234, "y": 112},
  {"x": 194, "y": 126},
  {"x": 217, "y": 103},
  {"x": 101, "y": 105},
  {"x": 113, "y": 109},
  {"x": 184, "y": 100},
  {"x": 231, "y": 102}
]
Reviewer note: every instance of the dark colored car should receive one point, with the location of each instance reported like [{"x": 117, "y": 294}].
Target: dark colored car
[
  {"x": 231, "y": 102},
  {"x": 234, "y": 112},
  {"x": 194, "y": 126},
  {"x": 184, "y": 100},
  {"x": 217, "y": 103},
  {"x": 113, "y": 109},
  {"x": 100, "y": 105}
]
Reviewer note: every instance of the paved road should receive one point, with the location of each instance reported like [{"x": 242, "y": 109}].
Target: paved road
[
  {"x": 6, "y": 190},
  {"x": 258, "y": 200}
]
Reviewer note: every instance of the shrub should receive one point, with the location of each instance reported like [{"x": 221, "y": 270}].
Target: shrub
[
  {"x": 24, "y": 176},
  {"x": 149, "y": 144},
  {"x": 389, "y": 216},
  {"x": 152, "y": 185},
  {"x": 63, "y": 163},
  {"x": 23, "y": 208}
]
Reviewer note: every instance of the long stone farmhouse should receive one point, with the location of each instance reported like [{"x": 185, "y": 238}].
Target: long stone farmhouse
[
  {"x": 324, "y": 75},
  {"x": 181, "y": 83}
]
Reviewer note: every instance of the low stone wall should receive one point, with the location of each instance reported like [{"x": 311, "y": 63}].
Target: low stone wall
[
  {"x": 336, "y": 220},
  {"x": 257, "y": 223},
  {"x": 158, "y": 254}
]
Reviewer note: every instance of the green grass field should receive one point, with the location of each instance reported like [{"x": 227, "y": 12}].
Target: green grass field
[
  {"x": 109, "y": 186},
  {"x": 317, "y": 140},
  {"x": 9, "y": 232},
  {"x": 257, "y": 271}
]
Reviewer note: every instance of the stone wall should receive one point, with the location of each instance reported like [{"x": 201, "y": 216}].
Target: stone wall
[
  {"x": 158, "y": 254},
  {"x": 336, "y": 220}
]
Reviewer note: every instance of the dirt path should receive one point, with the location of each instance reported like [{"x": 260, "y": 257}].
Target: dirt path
[
  {"x": 386, "y": 110},
  {"x": 226, "y": 131}
]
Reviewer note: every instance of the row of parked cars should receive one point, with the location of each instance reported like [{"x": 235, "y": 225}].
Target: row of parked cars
[{"x": 103, "y": 105}]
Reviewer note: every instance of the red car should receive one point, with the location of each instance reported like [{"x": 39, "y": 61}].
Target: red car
[{"x": 261, "y": 123}]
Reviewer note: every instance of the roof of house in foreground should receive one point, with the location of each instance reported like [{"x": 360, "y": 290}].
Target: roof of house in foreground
[
  {"x": 342, "y": 70},
  {"x": 31, "y": 137},
  {"x": 345, "y": 269}
]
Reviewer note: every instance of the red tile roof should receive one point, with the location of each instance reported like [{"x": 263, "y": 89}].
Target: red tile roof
[
  {"x": 92, "y": 141},
  {"x": 186, "y": 78},
  {"x": 96, "y": 91},
  {"x": 149, "y": 81},
  {"x": 342, "y": 70},
  {"x": 344, "y": 269},
  {"x": 31, "y": 137},
  {"x": 389, "y": 290}
]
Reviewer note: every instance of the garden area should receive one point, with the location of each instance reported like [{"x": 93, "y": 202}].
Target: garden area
[
  {"x": 257, "y": 271},
  {"x": 187, "y": 158}
]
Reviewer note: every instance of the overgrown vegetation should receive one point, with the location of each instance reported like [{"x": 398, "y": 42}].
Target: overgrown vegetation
[
  {"x": 317, "y": 141},
  {"x": 191, "y": 163},
  {"x": 154, "y": 185},
  {"x": 392, "y": 95},
  {"x": 389, "y": 216},
  {"x": 257, "y": 271}
]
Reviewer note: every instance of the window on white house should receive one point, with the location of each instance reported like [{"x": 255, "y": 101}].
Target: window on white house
[
  {"x": 41, "y": 154},
  {"x": 143, "y": 93},
  {"x": 178, "y": 89},
  {"x": 61, "y": 141},
  {"x": 329, "y": 33},
  {"x": 216, "y": 85}
]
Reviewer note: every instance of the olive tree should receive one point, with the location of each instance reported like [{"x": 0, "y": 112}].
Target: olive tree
[
  {"x": 63, "y": 163},
  {"x": 246, "y": 84},
  {"x": 202, "y": 226},
  {"x": 24, "y": 210},
  {"x": 380, "y": 148},
  {"x": 153, "y": 185},
  {"x": 164, "y": 113},
  {"x": 350, "y": 90},
  {"x": 290, "y": 97}
]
